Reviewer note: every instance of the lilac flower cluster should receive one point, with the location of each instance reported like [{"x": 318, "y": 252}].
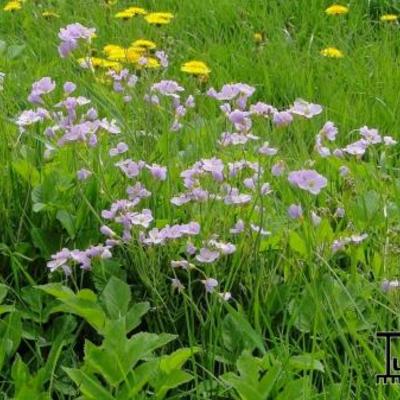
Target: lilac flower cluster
[
  {"x": 232, "y": 180},
  {"x": 339, "y": 244},
  {"x": 65, "y": 258},
  {"x": 67, "y": 120},
  {"x": 70, "y": 37},
  {"x": 172, "y": 90},
  {"x": 123, "y": 82}
]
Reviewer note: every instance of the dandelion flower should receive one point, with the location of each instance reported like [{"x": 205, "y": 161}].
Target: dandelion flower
[
  {"x": 144, "y": 44},
  {"x": 13, "y": 6},
  {"x": 130, "y": 12},
  {"x": 196, "y": 68},
  {"x": 111, "y": 49},
  {"x": 389, "y": 18},
  {"x": 332, "y": 52},
  {"x": 95, "y": 62},
  {"x": 337, "y": 9},
  {"x": 159, "y": 18}
]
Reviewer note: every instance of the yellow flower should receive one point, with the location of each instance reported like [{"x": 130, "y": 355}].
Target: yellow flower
[
  {"x": 159, "y": 18},
  {"x": 50, "y": 14},
  {"x": 148, "y": 62},
  {"x": 130, "y": 12},
  {"x": 389, "y": 18},
  {"x": 258, "y": 37},
  {"x": 111, "y": 2},
  {"x": 113, "y": 49},
  {"x": 144, "y": 44},
  {"x": 95, "y": 62},
  {"x": 136, "y": 11},
  {"x": 133, "y": 54},
  {"x": 13, "y": 5},
  {"x": 337, "y": 9},
  {"x": 332, "y": 52},
  {"x": 196, "y": 68}
]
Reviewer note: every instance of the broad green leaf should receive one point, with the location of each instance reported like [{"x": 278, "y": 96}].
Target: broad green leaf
[
  {"x": 89, "y": 385},
  {"x": 26, "y": 171},
  {"x": 170, "y": 381},
  {"x": 135, "y": 314},
  {"x": 176, "y": 360},
  {"x": 297, "y": 244},
  {"x": 298, "y": 389},
  {"x": 305, "y": 362},
  {"x": 83, "y": 304},
  {"x": 116, "y": 298},
  {"x": 67, "y": 222}
]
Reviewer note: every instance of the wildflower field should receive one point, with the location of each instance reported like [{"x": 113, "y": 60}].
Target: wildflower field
[{"x": 199, "y": 199}]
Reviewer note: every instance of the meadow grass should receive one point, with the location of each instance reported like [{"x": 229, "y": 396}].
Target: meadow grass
[{"x": 296, "y": 306}]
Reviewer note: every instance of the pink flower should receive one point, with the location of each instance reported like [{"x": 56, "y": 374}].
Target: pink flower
[
  {"x": 305, "y": 109},
  {"x": 210, "y": 284},
  {"x": 207, "y": 256},
  {"x": 308, "y": 180}
]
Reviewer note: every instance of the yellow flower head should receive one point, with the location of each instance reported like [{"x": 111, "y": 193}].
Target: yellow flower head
[
  {"x": 258, "y": 37},
  {"x": 50, "y": 14},
  {"x": 133, "y": 54},
  {"x": 144, "y": 44},
  {"x": 389, "y": 18},
  {"x": 195, "y": 68},
  {"x": 332, "y": 52},
  {"x": 130, "y": 12},
  {"x": 110, "y": 49},
  {"x": 148, "y": 62},
  {"x": 111, "y": 2},
  {"x": 95, "y": 62},
  {"x": 337, "y": 9},
  {"x": 159, "y": 18},
  {"x": 13, "y": 5},
  {"x": 136, "y": 11}
]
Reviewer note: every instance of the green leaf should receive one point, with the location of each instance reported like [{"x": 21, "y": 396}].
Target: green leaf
[
  {"x": 135, "y": 314},
  {"x": 116, "y": 298},
  {"x": 244, "y": 330},
  {"x": 176, "y": 360},
  {"x": 67, "y": 222},
  {"x": 89, "y": 385},
  {"x": 170, "y": 381},
  {"x": 305, "y": 362},
  {"x": 297, "y": 244},
  {"x": 14, "y": 51},
  {"x": 83, "y": 304},
  {"x": 3, "y": 292},
  {"x": 26, "y": 171},
  {"x": 19, "y": 372},
  {"x": 298, "y": 389},
  {"x": 116, "y": 357}
]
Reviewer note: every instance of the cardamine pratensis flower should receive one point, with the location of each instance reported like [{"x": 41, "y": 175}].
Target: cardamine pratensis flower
[
  {"x": 71, "y": 34},
  {"x": 308, "y": 179}
]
